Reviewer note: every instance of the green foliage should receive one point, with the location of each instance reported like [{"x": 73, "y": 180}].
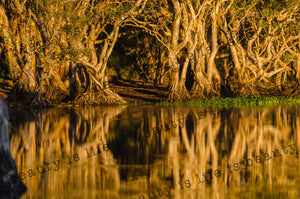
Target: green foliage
[
  {"x": 122, "y": 65},
  {"x": 67, "y": 28},
  {"x": 114, "y": 10},
  {"x": 241, "y": 102},
  {"x": 132, "y": 72},
  {"x": 114, "y": 63},
  {"x": 40, "y": 7},
  {"x": 4, "y": 67},
  {"x": 72, "y": 54}
]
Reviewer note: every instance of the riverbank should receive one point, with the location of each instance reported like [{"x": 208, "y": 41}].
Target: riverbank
[
  {"x": 137, "y": 92},
  {"x": 132, "y": 91}
]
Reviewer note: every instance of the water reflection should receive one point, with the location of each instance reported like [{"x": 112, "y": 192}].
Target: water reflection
[{"x": 159, "y": 152}]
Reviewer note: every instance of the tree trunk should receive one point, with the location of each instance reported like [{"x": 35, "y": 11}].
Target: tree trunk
[
  {"x": 11, "y": 185},
  {"x": 20, "y": 56},
  {"x": 207, "y": 77},
  {"x": 177, "y": 91}
]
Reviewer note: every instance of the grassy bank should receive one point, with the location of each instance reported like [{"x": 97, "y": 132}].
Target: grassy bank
[{"x": 241, "y": 102}]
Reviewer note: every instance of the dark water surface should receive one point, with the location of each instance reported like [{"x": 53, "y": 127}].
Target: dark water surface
[{"x": 158, "y": 152}]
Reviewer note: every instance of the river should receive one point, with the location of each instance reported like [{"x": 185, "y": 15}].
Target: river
[{"x": 156, "y": 151}]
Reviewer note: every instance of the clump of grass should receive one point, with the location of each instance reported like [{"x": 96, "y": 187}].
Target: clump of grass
[{"x": 241, "y": 102}]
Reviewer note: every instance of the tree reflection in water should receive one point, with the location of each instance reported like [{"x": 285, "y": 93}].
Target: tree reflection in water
[{"x": 157, "y": 151}]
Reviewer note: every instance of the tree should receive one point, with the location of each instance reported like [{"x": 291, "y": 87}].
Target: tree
[
  {"x": 60, "y": 49},
  {"x": 244, "y": 47},
  {"x": 263, "y": 42},
  {"x": 189, "y": 32}
]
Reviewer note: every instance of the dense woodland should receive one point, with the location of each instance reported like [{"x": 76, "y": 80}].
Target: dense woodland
[{"x": 67, "y": 50}]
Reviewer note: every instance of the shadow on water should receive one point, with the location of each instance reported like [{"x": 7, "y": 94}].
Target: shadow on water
[{"x": 159, "y": 152}]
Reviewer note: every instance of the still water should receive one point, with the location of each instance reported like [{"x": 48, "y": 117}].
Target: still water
[{"x": 158, "y": 152}]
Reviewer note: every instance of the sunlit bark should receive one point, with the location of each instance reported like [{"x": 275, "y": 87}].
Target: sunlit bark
[
  {"x": 43, "y": 39},
  {"x": 262, "y": 58}
]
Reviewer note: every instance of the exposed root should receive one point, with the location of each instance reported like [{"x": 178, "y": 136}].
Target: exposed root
[
  {"x": 197, "y": 94},
  {"x": 179, "y": 95},
  {"x": 206, "y": 90},
  {"x": 240, "y": 86},
  {"x": 245, "y": 90},
  {"x": 293, "y": 90},
  {"x": 102, "y": 97}
]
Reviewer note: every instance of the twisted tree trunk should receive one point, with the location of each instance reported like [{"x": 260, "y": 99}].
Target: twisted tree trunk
[{"x": 42, "y": 39}]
